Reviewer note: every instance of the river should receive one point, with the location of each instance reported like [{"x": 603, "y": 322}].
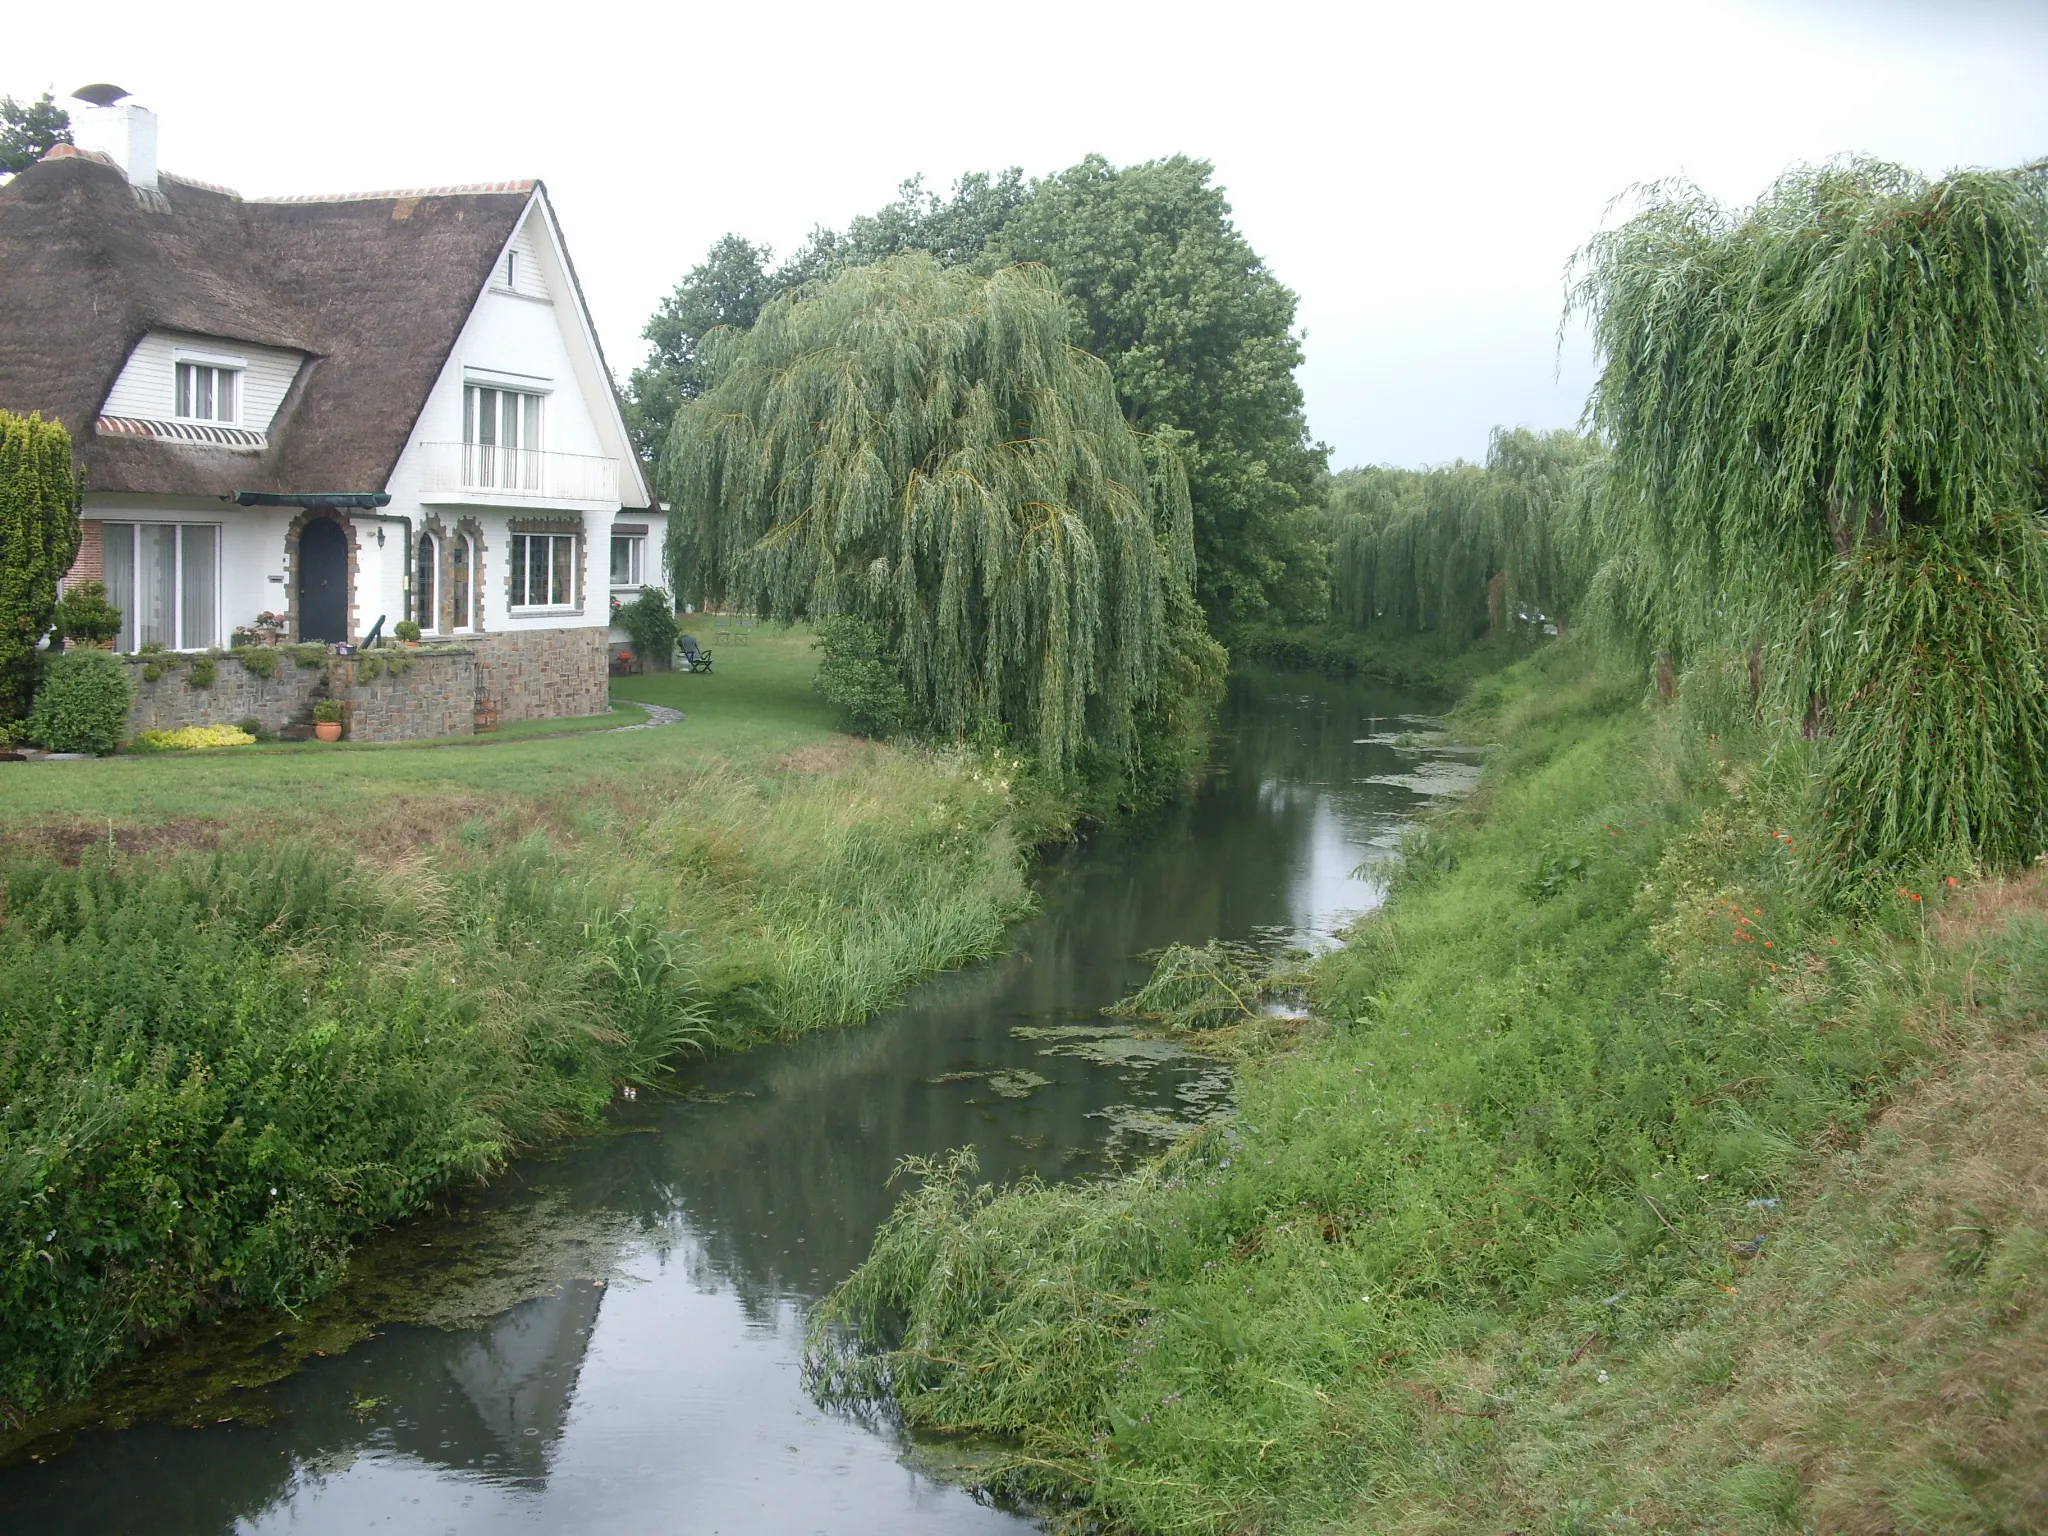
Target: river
[{"x": 609, "y": 1339}]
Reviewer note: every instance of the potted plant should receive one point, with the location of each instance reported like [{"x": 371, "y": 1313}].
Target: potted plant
[
  {"x": 327, "y": 716},
  {"x": 408, "y": 632}
]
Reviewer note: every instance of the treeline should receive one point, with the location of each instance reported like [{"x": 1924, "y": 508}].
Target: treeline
[{"x": 1456, "y": 551}]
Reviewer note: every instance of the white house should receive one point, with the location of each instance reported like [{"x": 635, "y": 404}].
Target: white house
[{"x": 337, "y": 409}]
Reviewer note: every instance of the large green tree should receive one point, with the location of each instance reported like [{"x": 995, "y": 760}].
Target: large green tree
[
  {"x": 1199, "y": 336},
  {"x": 1829, "y": 426},
  {"x": 39, "y": 537},
  {"x": 955, "y": 231},
  {"x": 29, "y": 130},
  {"x": 727, "y": 288},
  {"x": 926, "y": 449}
]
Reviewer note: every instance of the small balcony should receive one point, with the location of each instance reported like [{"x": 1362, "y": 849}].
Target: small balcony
[{"x": 482, "y": 474}]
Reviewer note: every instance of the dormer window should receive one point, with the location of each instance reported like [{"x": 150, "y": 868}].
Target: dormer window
[{"x": 209, "y": 391}]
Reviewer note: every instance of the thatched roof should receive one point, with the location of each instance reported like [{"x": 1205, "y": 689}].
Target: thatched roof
[{"x": 375, "y": 289}]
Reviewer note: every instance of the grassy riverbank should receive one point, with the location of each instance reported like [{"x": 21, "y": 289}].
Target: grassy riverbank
[
  {"x": 257, "y": 1002},
  {"x": 1624, "y": 1185},
  {"x": 1407, "y": 661}
]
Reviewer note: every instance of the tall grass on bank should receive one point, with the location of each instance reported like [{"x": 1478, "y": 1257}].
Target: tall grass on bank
[
  {"x": 219, "y": 1068},
  {"x": 1569, "y": 1071}
]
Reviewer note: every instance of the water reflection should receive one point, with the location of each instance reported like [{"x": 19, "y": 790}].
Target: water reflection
[{"x": 650, "y": 1378}]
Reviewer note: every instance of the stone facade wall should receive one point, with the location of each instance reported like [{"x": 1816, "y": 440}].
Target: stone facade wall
[
  {"x": 433, "y": 695},
  {"x": 543, "y": 674},
  {"x": 171, "y": 702}
]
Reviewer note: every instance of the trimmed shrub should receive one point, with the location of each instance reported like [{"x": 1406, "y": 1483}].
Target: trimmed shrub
[
  {"x": 257, "y": 660},
  {"x": 85, "y": 617},
  {"x": 860, "y": 675},
  {"x": 82, "y": 705}
]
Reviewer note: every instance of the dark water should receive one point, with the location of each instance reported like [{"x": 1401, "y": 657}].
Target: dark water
[{"x": 636, "y": 1304}]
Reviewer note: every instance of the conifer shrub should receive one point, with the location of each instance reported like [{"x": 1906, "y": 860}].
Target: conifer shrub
[
  {"x": 40, "y": 487},
  {"x": 82, "y": 705}
]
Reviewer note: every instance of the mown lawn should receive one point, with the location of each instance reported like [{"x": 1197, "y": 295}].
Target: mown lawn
[{"x": 754, "y": 706}]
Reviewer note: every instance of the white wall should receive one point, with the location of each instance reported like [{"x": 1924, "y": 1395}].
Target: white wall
[
  {"x": 534, "y": 332},
  {"x": 147, "y": 387},
  {"x": 251, "y": 546}
]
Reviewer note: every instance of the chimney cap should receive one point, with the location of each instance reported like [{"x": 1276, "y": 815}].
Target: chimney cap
[{"x": 100, "y": 94}]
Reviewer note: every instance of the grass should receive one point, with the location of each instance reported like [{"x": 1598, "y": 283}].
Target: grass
[
  {"x": 256, "y": 1002},
  {"x": 1602, "y": 1090}
]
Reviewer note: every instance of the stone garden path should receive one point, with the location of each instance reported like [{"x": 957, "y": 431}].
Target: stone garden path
[{"x": 657, "y": 714}]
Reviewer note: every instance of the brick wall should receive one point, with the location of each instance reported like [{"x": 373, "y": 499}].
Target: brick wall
[
  {"x": 91, "y": 562},
  {"x": 543, "y": 674}
]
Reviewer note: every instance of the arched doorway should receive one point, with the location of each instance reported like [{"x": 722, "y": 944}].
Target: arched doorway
[{"x": 323, "y": 580}]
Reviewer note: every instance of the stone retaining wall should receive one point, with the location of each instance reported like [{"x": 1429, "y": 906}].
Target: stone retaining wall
[
  {"x": 171, "y": 702},
  {"x": 412, "y": 696},
  {"x": 543, "y": 674},
  {"x": 537, "y": 674}
]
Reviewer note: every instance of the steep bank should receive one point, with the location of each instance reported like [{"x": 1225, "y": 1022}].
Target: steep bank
[
  {"x": 258, "y": 1003},
  {"x": 1583, "y": 1094}
]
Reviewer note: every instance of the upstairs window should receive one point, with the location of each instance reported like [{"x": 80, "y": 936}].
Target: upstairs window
[
  {"x": 500, "y": 439},
  {"x": 629, "y": 556},
  {"x": 209, "y": 392}
]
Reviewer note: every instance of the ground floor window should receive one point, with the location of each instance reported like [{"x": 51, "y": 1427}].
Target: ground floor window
[
  {"x": 544, "y": 570},
  {"x": 426, "y": 585},
  {"x": 461, "y": 580},
  {"x": 165, "y": 579},
  {"x": 629, "y": 555}
]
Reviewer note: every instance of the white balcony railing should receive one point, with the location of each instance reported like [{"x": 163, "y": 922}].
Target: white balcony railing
[{"x": 522, "y": 473}]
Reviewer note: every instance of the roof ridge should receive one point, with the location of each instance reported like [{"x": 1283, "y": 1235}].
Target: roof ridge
[
  {"x": 204, "y": 186},
  {"x": 470, "y": 189}
]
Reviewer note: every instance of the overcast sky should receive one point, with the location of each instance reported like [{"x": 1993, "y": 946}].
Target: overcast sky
[{"x": 1419, "y": 174}]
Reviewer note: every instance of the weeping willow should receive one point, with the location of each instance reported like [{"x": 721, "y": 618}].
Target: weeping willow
[
  {"x": 925, "y": 449},
  {"x": 1455, "y": 550},
  {"x": 1828, "y": 417}
]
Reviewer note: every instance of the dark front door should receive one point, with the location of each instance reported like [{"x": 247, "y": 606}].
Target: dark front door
[{"x": 323, "y": 581}]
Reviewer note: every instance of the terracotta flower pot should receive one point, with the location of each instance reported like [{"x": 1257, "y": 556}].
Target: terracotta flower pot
[{"x": 327, "y": 730}]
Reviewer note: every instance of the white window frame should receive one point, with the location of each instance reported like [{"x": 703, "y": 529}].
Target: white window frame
[
  {"x": 636, "y": 562},
  {"x": 177, "y": 622},
  {"x": 521, "y": 561},
  {"x": 496, "y": 465},
  {"x": 217, "y": 365}
]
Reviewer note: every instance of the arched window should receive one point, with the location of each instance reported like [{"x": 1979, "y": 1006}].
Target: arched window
[
  {"x": 427, "y": 588},
  {"x": 461, "y": 568}
]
